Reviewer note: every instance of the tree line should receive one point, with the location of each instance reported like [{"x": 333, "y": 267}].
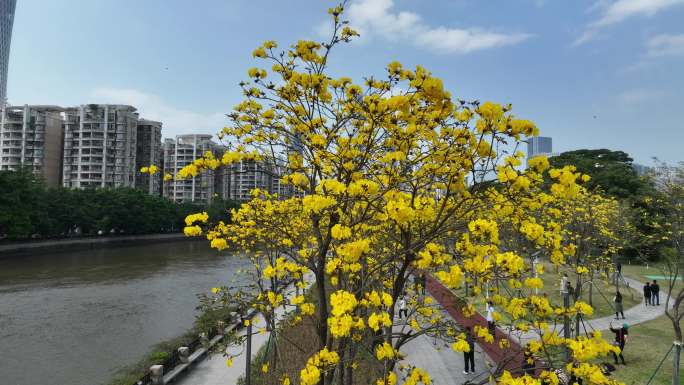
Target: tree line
[
  {"x": 30, "y": 209},
  {"x": 642, "y": 202}
]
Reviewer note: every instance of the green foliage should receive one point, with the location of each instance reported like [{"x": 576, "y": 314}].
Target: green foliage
[
  {"x": 19, "y": 192},
  {"x": 29, "y": 209},
  {"x": 159, "y": 357},
  {"x": 161, "y": 351},
  {"x": 611, "y": 171}
]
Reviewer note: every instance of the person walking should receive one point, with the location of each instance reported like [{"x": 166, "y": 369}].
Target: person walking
[
  {"x": 469, "y": 356},
  {"x": 620, "y": 340},
  {"x": 647, "y": 293},
  {"x": 401, "y": 302},
  {"x": 490, "y": 319},
  {"x": 618, "y": 305},
  {"x": 655, "y": 293}
]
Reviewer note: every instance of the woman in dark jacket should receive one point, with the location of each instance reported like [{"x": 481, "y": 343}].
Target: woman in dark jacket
[{"x": 618, "y": 305}]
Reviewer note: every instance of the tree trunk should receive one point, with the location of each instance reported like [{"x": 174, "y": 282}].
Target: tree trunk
[
  {"x": 677, "y": 352},
  {"x": 675, "y": 369},
  {"x": 322, "y": 307}
]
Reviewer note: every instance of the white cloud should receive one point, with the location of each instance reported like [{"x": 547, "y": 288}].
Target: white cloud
[
  {"x": 665, "y": 45},
  {"x": 614, "y": 12},
  {"x": 376, "y": 17},
  {"x": 641, "y": 95},
  {"x": 175, "y": 120}
]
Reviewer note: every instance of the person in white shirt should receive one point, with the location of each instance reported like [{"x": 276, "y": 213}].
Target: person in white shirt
[
  {"x": 490, "y": 317},
  {"x": 401, "y": 302},
  {"x": 564, "y": 284}
]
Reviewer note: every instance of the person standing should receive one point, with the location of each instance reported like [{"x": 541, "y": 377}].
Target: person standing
[
  {"x": 620, "y": 340},
  {"x": 564, "y": 284},
  {"x": 655, "y": 293},
  {"x": 618, "y": 305},
  {"x": 647, "y": 293},
  {"x": 401, "y": 302},
  {"x": 469, "y": 356},
  {"x": 490, "y": 318}
]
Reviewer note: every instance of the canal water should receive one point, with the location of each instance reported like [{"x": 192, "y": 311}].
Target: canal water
[{"x": 75, "y": 318}]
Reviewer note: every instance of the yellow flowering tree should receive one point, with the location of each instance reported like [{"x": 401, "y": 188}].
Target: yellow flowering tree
[{"x": 393, "y": 176}]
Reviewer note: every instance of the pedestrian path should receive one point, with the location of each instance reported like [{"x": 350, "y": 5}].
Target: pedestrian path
[
  {"x": 443, "y": 364},
  {"x": 214, "y": 371},
  {"x": 635, "y": 315}
]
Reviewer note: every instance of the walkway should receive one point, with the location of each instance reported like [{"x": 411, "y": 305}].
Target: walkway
[
  {"x": 213, "y": 369},
  {"x": 634, "y": 315},
  {"x": 443, "y": 364}
]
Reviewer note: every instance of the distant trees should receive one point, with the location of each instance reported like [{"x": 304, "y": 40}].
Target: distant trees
[
  {"x": 29, "y": 209},
  {"x": 611, "y": 171}
]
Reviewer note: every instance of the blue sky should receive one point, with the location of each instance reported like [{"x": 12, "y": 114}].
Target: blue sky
[{"x": 591, "y": 74}]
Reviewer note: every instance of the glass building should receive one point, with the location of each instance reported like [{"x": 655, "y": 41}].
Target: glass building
[
  {"x": 6, "y": 20},
  {"x": 538, "y": 145}
]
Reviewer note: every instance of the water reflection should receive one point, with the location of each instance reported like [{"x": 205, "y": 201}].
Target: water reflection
[{"x": 75, "y": 317}]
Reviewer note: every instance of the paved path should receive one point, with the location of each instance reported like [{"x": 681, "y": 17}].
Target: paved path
[
  {"x": 443, "y": 364},
  {"x": 633, "y": 316},
  {"x": 213, "y": 369}
]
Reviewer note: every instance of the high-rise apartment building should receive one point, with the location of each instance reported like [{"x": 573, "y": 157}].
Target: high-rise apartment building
[
  {"x": 31, "y": 136},
  {"x": 100, "y": 146},
  {"x": 237, "y": 181},
  {"x": 244, "y": 176},
  {"x": 180, "y": 152},
  {"x": 149, "y": 152},
  {"x": 7, "y": 8}
]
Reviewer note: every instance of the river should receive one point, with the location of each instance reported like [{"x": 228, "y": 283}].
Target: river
[{"x": 75, "y": 318}]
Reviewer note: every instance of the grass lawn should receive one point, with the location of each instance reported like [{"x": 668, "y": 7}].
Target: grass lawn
[
  {"x": 647, "y": 345},
  {"x": 602, "y": 293},
  {"x": 603, "y": 305}
]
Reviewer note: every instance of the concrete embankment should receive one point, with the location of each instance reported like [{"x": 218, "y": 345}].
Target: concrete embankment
[{"x": 57, "y": 245}]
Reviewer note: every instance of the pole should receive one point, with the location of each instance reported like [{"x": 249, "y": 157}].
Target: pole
[
  {"x": 534, "y": 268},
  {"x": 566, "y": 323},
  {"x": 248, "y": 366},
  {"x": 675, "y": 369}
]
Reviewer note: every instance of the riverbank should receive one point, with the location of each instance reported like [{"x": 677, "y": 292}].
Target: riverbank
[
  {"x": 92, "y": 313},
  {"x": 84, "y": 243}
]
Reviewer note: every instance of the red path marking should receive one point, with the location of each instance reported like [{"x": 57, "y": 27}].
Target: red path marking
[{"x": 451, "y": 304}]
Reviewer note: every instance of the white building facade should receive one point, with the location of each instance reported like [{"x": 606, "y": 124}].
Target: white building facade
[
  {"x": 180, "y": 152},
  {"x": 100, "y": 146},
  {"x": 31, "y": 136}
]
